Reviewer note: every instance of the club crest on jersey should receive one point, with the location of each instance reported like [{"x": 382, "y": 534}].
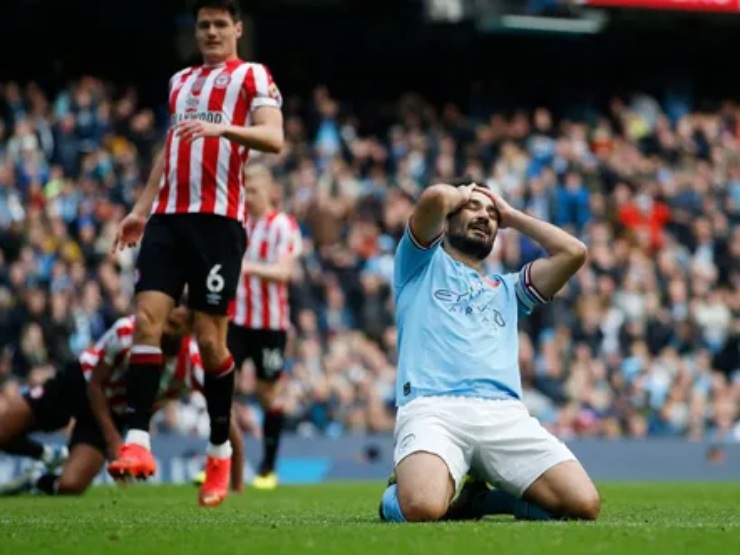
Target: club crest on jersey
[
  {"x": 222, "y": 81},
  {"x": 198, "y": 85},
  {"x": 191, "y": 103}
]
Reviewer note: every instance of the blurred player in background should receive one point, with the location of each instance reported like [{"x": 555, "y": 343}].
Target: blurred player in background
[
  {"x": 93, "y": 392},
  {"x": 191, "y": 216},
  {"x": 259, "y": 326},
  {"x": 458, "y": 384}
]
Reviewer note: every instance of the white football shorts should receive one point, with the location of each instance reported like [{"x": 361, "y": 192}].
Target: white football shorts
[{"x": 498, "y": 441}]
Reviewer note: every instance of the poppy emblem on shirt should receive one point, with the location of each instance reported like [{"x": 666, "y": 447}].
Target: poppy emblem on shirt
[{"x": 222, "y": 81}]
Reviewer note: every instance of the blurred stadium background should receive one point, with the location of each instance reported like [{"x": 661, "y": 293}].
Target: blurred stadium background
[{"x": 617, "y": 119}]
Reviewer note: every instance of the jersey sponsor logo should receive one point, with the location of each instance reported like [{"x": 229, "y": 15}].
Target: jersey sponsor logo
[
  {"x": 207, "y": 116},
  {"x": 467, "y": 303},
  {"x": 222, "y": 81}
]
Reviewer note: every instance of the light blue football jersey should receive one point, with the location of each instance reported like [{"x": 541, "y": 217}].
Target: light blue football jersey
[{"x": 457, "y": 329}]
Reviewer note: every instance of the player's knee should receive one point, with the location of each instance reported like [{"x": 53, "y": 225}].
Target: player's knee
[
  {"x": 70, "y": 486},
  {"x": 211, "y": 350},
  {"x": 422, "y": 508},
  {"x": 584, "y": 506},
  {"x": 267, "y": 395},
  {"x": 149, "y": 324}
]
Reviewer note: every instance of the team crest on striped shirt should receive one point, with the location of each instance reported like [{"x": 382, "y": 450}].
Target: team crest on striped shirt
[
  {"x": 222, "y": 81},
  {"x": 273, "y": 91}
]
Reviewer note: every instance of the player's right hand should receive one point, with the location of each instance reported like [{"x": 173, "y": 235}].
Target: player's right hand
[
  {"x": 129, "y": 232},
  {"x": 466, "y": 192}
]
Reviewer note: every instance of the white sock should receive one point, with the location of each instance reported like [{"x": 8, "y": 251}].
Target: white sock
[
  {"x": 139, "y": 437},
  {"x": 222, "y": 451}
]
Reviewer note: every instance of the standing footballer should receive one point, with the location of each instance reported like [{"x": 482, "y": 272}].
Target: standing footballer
[
  {"x": 258, "y": 328},
  {"x": 195, "y": 205}
]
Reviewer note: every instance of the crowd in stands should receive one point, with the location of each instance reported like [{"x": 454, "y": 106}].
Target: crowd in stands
[{"x": 644, "y": 341}]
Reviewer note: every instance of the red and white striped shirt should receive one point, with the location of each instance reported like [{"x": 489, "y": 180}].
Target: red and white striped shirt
[
  {"x": 181, "y": 374},
  {"x": 262, "y": 304},
  {"x": 205, "y": 176}
]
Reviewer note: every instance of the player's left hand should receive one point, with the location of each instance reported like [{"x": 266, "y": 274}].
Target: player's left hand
[
  {"x": 193, "y": 129},
  {"x": 505, "y": 210}
]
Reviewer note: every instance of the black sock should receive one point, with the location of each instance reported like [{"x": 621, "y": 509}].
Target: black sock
[
  {"x": 219, "y": 391},
  {"x": 272, "y": 427},
  {"x": 48, "y": 483},
  {"x": 142, "y": 385},
  {"x": 500, "y": 502},
  {"x": 24, "y": 446}
]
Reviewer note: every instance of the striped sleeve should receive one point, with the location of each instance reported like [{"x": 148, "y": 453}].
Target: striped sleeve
[
  {"x": 117, "y": 341},
  {"x": 265, "y": 92},
  {"x": 285, "y": 238},
  {"x": 526, "y": 293}
]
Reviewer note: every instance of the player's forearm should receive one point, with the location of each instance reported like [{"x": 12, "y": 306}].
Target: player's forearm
[
  {"x": 144, "y": 204},
  {"x": 269, "y": 272},
  {"x": 553, "y": 239},
  {"x": 265, "y": 138},
  {"x": 101, "y": 411},
  {"x": 435, "y": 204}
]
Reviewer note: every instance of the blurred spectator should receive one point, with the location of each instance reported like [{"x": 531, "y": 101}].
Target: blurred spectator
[{"x": 644, "y": 341}]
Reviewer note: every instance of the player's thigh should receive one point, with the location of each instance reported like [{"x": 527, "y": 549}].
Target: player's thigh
[
  {"x": 16, "y": 418},
  {"x": 161, "y": 264},
  {"x": 52, "y": 404},
  {"x": 425, "y": 486},
  {"x": 84, "y": 464},
  {"x": 513, "y": 449},
  {"x": 238, "y": 341},
  {"x": 431, "y": 454},
  {"x": 566, "y": 490},
  {"x": 214, "y": 265}
]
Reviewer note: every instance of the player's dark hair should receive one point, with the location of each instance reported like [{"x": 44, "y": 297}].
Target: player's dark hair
[
  {"x": 463, "y": 181},
  {"x": 231, "y": 6},
  {"x": 466, "y": 180}
]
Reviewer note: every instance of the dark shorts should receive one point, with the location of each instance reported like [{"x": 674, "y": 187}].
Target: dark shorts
[
  {"x": 62, "y": 398},
  {"x": 265, "y": 348},
  {"x": 202, "y": 251}
]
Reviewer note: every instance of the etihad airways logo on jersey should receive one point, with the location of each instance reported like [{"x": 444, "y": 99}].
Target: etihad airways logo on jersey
[
  {"x": 467, "y": 303},
  {"x": 207, "y": 116}
]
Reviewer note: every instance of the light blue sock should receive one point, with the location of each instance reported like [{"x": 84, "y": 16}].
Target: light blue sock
[{"x": 390, "y": 506}]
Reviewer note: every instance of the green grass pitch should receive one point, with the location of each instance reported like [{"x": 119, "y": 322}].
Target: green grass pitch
[{"x": 341, "y": 518}]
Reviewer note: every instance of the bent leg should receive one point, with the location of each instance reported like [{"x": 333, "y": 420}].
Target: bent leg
[
  {"x": 84, "y": 463},
  {"x": 424, "y": 487},
  {"x": 431, "y": 456},
  {"x": 539, "y": 476},
  {"x": 566, "y": 490},
  {"x": 15, "y": 421}
]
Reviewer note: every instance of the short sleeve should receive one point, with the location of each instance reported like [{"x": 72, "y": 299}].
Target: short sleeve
[
  {"x": 527, "y": 295},
  {"x": 412, "y": 256},
  {"x": 265, "y": 92}
]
